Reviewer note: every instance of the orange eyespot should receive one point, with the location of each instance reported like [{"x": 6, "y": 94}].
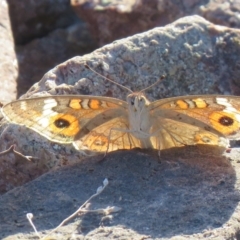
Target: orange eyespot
[
  {"x": 65, "y": 124},
  {"x": 225, "y": 123},
  {"x": 206, "y": 138}
]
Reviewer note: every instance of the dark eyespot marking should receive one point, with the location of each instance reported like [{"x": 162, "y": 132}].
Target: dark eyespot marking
[
  {"x": 62, "y": 123},
  {"x": 226, "y": 121}
]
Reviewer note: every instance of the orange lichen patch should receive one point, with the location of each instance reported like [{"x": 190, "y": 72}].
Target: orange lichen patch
[
  {"x": 206, "y": 138},
  {"x": 94, "y": 104},
  {"x": 200, "y": 103},
  {"x": 225, "y": 123},
  {"x": 65, "y": 124},
  {"x": 75, "y": 104},
  {"x": 182, "y": 104}
]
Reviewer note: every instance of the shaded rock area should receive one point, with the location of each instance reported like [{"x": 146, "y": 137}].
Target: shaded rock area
[
  {"x": 35, "y": 19},
  {"x": 188, "y": 197},
  {"x": 46, "y": 33},
  {"x": 42, "y": 54},
  {"x": 111, "y": 20}
]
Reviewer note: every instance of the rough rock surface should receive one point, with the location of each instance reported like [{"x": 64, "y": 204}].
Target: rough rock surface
[
  {"x": 186, "y": 196},
  {"x": 8, "y": 62},
  {"x": 196, "y": 56},
  {"x": 111, "y": 20}
]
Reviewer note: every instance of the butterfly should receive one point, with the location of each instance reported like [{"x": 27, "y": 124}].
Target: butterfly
[{"x": 103, "y": 124}]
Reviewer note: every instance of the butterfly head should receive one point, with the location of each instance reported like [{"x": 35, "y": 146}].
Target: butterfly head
[{"x": 137, "y": 101}]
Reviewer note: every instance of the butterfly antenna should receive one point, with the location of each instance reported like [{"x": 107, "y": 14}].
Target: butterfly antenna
[
  {"x": 128, "y": 89},
  {"x": 159, "y": 80}
]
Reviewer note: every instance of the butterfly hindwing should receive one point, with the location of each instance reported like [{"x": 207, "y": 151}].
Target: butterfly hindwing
[
  {"x": 177, "y": 134},
  {"x": 110, "y": 135}
]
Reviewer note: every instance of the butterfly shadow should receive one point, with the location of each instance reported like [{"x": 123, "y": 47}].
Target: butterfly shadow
[{"x": 184, "y": 193}]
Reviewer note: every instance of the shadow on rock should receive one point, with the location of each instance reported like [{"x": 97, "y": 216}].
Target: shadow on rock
[{"x": 186, "y": 193}]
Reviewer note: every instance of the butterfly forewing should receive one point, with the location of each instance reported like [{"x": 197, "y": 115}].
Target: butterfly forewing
[
  {"x": 219, "y": 115},
  {"x": 59, "y": 118}
]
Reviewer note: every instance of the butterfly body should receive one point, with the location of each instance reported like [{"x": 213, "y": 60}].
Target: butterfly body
[
  {"x": 139, "y": 118},
  {"x": 101, "y": 124}
]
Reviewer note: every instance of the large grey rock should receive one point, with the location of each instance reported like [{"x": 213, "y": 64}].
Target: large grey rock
[{"x": 196, "y": 56}]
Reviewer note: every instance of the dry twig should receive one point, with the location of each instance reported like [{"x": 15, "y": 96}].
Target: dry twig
[{"x": 16, "y": 153}]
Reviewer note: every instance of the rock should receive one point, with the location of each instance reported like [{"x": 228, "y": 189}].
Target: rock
[
  {"x": 8, "y": 62},
  {"x": 34, "y": 19},
  {"x": 42, "y": 54},
  {"x": 187, "y": 197},
  {"x": 111, "y": 20},
  {"x": 196, "y": 56},
  {"x": 222, "y": 12}
]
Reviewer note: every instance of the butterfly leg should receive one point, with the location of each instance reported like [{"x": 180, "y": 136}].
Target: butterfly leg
[
  {"x": 108, "y": 142},
  {"x": 159, "y": 148}
]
